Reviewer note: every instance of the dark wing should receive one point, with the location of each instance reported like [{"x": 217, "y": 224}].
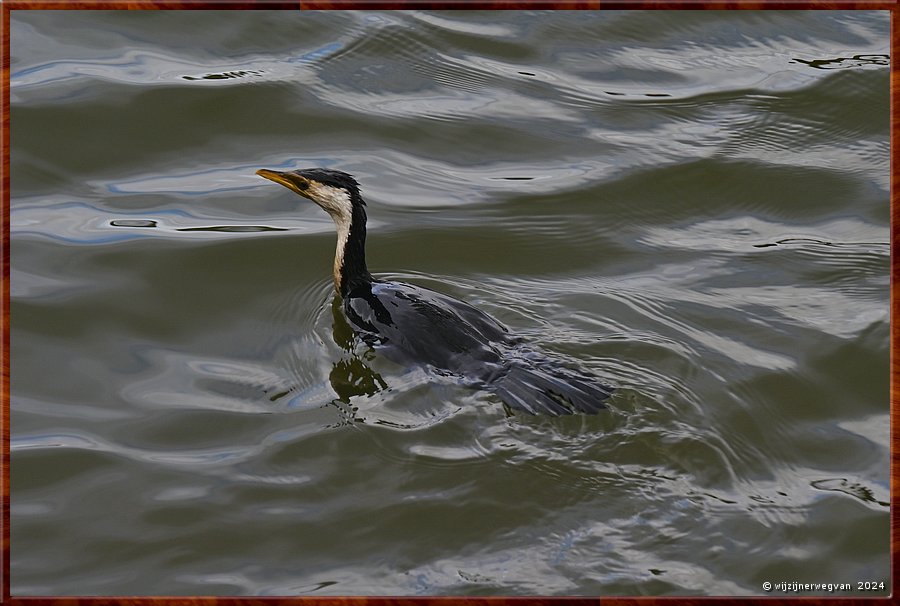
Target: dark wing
[
  {"x": 541, "y": 385},
  {"x": 417, "y": 325}
]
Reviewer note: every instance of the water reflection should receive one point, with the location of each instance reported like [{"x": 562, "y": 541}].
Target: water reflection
[
  {"x": 847, "y": 62},
  {"x": 351, "y": 376},
  {"x": 241, "y": 73}
]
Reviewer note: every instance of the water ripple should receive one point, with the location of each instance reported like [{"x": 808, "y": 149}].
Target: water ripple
[{"x": 690, "y": 205}]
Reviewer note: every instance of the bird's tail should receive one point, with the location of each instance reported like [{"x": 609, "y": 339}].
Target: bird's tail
[{"x": 539, "y": 385}]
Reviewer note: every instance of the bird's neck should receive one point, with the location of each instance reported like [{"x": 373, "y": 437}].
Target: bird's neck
[{"x": 350, "y": 257}]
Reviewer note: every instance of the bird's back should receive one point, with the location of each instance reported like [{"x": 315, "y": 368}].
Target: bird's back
[{"x": 415, "y": 325}]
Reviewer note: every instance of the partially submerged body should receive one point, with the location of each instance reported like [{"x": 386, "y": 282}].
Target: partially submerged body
[{"x": 414, "y": 325}]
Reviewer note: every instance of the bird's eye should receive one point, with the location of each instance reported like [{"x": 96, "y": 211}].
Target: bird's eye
[{"x": 303, "y": 185}]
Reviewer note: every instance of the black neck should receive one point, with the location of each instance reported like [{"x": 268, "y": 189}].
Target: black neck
[{"x": 354, "y": 271}]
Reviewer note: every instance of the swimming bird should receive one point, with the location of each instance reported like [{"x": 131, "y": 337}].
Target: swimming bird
[{"x": 414, "y": 325}]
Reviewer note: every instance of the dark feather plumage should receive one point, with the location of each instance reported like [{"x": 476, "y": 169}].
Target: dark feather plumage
[{"x": 413, "y": 325}]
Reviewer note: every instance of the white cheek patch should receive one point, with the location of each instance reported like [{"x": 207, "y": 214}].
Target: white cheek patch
[{"x": 334, "y": 200}]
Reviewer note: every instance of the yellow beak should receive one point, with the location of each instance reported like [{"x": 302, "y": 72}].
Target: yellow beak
[{"x": 281, "y": 179}]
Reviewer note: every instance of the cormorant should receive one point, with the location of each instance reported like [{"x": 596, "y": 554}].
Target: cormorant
[{"x": 411, "y": 324}]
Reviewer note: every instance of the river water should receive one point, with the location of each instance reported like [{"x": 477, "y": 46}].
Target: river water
[{"x": 693, "y": 206}]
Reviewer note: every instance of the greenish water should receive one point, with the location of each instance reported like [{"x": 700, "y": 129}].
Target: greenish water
[{"x": 694, "y": 206}]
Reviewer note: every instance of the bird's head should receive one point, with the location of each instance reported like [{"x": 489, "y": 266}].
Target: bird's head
[{"x": 335, "y": 191}]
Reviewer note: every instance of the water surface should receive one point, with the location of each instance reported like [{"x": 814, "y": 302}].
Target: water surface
[{"x": 693, "y": 206}]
